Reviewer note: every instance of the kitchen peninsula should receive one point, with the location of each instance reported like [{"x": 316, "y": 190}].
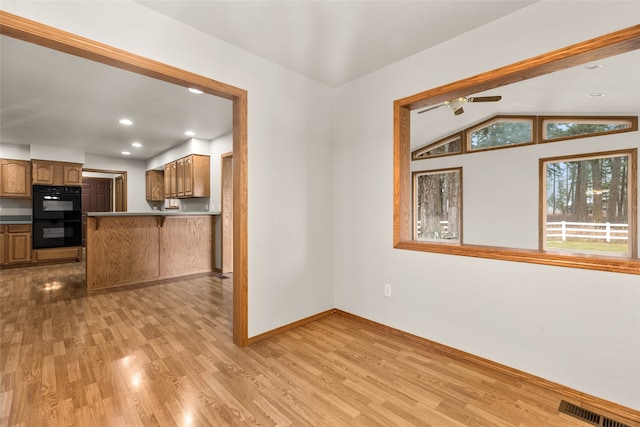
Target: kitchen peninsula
[{"x": 125, "y": 248}]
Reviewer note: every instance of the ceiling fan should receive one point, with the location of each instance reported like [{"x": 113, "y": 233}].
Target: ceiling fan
[{"x": 456, "y": 104}]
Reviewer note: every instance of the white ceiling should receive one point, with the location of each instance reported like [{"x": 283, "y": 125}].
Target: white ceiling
[
  {"x": 55, "y": 99},
  {"x": 335, "y": 41}
]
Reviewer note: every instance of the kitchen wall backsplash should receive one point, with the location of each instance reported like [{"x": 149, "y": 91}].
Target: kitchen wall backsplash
[
  {"x": 194, "y": 205},
  {"x": 15, "y": 206}
]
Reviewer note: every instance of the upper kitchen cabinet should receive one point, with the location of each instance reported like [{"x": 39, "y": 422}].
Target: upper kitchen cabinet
[
  {"x": 187, "y": 177},
  {"x": 155, "y": 186},
  {"x": 46, "y": 172},
  {"x": 15, "y": 178},
  {"x": 196, "y": 176},
  {"x": 167, "y": 181}
]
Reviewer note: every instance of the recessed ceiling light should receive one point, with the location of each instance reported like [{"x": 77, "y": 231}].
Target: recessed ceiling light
[
  {"x": 592, "y": 66},
  {"x": 136, "y": 144},
  {"x": 595, "y": 95},
  {"x": 189, "y": 133},
  {"x": 126, "y": 153},
  {"x": 196, "y": 91},
  {"x": 126, "y": 122}
]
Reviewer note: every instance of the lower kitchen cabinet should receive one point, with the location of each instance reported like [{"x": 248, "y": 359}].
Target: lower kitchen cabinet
[{"x": 15, "y": 244}]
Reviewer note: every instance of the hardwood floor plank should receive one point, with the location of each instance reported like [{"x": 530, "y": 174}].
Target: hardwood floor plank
[{"x": 161, "y": 354}]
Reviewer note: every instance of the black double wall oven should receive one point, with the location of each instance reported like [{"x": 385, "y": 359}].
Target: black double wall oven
[{"x": 57, "y": 216}]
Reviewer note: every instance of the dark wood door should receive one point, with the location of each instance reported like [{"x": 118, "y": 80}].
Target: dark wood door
[{"x": 97, "y": 196}]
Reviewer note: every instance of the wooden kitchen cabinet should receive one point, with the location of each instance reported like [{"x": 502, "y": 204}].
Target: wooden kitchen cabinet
[
  {"x": 72, "y": 174},
  {"x": 188, "y": 177},
  {"x": 47, "y": 172},
  {"x": 155, "y": 186},
  {"x": 167, "y": 181},
  {"x": 15, "y": 244},
  {"x": 197, "y": 176},
  {"x": 15, "y": 178},
  {"x": 180, "y": 177},
  {"x": 173, "y": 185}
]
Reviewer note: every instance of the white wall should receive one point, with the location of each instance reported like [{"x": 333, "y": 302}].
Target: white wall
[
  {"x": 290, "y": 150},
  {"x": 57, "y": 154},
  {"x": 191, "y": 146},
  {"x": 576, "y": 327},
  {"x": 486, "y": 191},
  {"x": 14, "y": 152}
]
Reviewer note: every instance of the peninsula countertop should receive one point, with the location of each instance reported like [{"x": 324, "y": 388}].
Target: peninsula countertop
[{"x": 152, "y": 213}]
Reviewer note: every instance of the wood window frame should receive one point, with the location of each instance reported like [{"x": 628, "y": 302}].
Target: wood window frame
[
  {"x": 33, "y": 32},
  {"x": 632, "y": 193},
  {"x": 618, "y": 42}
]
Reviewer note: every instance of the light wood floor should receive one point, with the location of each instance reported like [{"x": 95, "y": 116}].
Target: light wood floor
[{"x": 161, "y": 354}]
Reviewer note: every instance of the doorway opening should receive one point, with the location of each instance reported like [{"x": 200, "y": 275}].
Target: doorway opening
[{"x": 53, "y": 38}]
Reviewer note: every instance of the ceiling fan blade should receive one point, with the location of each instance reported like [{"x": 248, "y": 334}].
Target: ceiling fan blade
[
  {"x": 484, "y": 98},
  {"x": 430, "y": 108},
  {"x": 458, "y": 111}
]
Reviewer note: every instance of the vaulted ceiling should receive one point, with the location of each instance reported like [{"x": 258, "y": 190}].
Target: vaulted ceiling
[{"x": 51, "y": 98}]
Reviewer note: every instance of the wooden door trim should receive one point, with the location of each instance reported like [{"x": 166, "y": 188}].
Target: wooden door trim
[
  {"x": 223, "y": 159},
  {"x": 34, "y": 32}
]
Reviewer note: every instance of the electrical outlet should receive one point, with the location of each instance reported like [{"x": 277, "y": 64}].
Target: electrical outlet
[{"x": 387, "y": 290}]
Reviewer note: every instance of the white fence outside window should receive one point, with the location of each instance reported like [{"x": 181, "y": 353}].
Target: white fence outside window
[{"x": 588, "y": 230}]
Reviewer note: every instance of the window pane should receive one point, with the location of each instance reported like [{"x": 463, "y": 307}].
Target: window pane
[
  {"x": 501, "y": 132},
  {"x": 556, "y": 129},
  {"x": 588, "y": 205},
  {"x": 444, "y": 147},
  {"x": 437, "y": 205}
]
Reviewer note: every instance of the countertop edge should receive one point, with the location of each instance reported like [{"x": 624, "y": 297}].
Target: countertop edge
[{"x": 152, "y": 213}]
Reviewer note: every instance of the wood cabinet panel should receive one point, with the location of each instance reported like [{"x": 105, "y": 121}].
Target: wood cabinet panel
[
  {"x": 72, "y": 175},
  {"x": 57, "y": 254},
  {"x": 154, "y": 186},
  {"x": 121, "y": 250},
  {"x": 200, "y": 176},
  {"x": 15, "y": 178},
  {"x": 3, "y": 245},
  {"x": 47, "y": 172},
  {"x": 180, "y": 177},
  {"x": 43, "y": 173},
  {"x": 15, "y": 244},
  {"x": 186, "y": 245},
  {"x": 19, "y": 248},
  {"x": 188, "y": 176},
  {"x": 173, "y": 187},
  {"x": 167, "y": 181}
]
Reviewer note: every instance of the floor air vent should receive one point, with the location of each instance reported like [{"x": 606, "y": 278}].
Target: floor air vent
[{"x": 588, "y": 416}]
